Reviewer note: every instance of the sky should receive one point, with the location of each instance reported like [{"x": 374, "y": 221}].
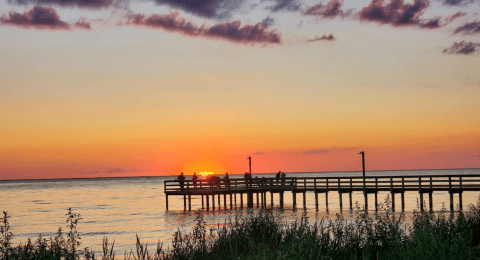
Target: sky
[{"x": 112, "y": 88}]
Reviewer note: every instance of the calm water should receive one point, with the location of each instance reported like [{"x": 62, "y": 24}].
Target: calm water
[{"x": 120, "y": 208}]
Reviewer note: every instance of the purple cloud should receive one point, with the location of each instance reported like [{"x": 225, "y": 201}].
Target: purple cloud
[
  {"x": 322, "y": 151},
  {"x": 468, "y": 28},
  {"x": 323, "y": 38},
  {"x": 457, "y": 2},
  {"x": 230, "y": 31},
  {"x": 38, "y": 17},
  {"x": 398, "y": 13},
  {"x": 465, "y": 48},
  {"x": 94, "y": 4},
  {"x": 331, "y": 10},
  {"x": 285, "y": 5}
]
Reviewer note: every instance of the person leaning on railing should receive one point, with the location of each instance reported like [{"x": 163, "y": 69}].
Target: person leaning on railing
[
  {"x": 181, "y": 180},
  {"x": 194, "y": 180}
]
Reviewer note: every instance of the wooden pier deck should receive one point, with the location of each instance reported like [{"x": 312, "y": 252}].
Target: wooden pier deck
[{"x": 426, "y": 184}]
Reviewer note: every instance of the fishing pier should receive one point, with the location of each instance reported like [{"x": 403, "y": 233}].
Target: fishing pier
[{"x": 230, "y": 189}]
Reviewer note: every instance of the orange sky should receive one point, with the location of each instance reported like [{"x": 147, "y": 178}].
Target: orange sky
[{"x": 126, "y": 99}]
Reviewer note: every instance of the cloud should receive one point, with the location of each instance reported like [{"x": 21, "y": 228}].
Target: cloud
[
  {"x": 323, "y": 38},
  {"x": 284, "y": 5},
  {"x": 83, "y": 24},
  {"x": 331, "y": 10},
  {"x": 468, "y": 28},
  {"x": 322, "y": 151},
  {"x": 121, "y": 170},
  {"x": 398, "y": 13},
  {"x": 259, "y": 153},
  {"x": 39, "y": 17},
  {"x": 205, "y": 8},
  {"x": 466, "y": 48},
  {"x": 268, "y": 21},
  {"x": 94, "y": 4},
  {"x": 455, "y": 16},
  {"x": 230, "y": 31},
  {"x": 457, "y": 2}
]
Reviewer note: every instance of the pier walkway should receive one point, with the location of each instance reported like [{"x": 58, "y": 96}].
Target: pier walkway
[{"x": 424, "y": 185}]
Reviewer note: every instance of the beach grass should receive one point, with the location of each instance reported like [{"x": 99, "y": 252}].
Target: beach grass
[{"x": 382, "y": 235}]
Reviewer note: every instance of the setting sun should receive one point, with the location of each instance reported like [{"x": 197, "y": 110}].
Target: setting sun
[{"x": 204, "y": 174}]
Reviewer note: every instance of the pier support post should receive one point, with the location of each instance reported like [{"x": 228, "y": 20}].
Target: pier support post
[
  {"x": 451, "y": 201},
  {"x": 166, "y": 202},
  {"x": 366, "y": 199},
  {"x": 294, "y": 195},
  {"x": 241, "y": 200},
  {"x": 350, "y": 197},
  {"x": 376, "y": 201},
  {"x": 340, "y": 200},
  {"x": 326, "y": 200},
  {"x": 393, "y": 201},
  {"x": 213, "y": 202},
  {"x": 281, "y": 199},
  {"x": 219, "y": 205},
  {"x": 430, "y": 200},
  {"x": 184, "y": 202},
  {"x": 208, "y": 202},
  {"x": 271, "y": 199},
  {"x": 225, "y": 201},
  {"x": 421, "y": 200},
  {"x": 257, "y": 199},
  {"x": 265, "y": 199},
  {"x": 189, "y": 202},
  {"x": 231, "y": 204},
  {"x": 460, "y": 202},
  {"x": 403, "y": 201},
  {"x": 304, "y": 200},
  {"x": 316, "y": 200},
  {"x": 203, "y": 202}
]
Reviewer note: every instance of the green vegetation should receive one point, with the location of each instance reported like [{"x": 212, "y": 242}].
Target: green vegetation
[{"x": 430, "y": 235}]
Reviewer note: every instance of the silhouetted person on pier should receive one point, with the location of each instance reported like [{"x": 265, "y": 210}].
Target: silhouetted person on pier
[
  {"x": 283, "y": 175},
  {"x": 227, "y": 181},
  {"x": 248, "y": 178},
  {"x": 277, "y": 176},
  {"x": 194, "y": 180},
  {"x": 181, "y": 179}
]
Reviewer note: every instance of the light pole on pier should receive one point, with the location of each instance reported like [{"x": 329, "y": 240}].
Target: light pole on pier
[
  {"x": 364, "y": 188},
  {"x": 250, "y": 165}
]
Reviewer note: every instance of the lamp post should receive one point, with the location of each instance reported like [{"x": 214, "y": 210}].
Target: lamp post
[
  {"x": 249, "y": 158},
  {"x": 363, "y": 164},
  {"x": 364, "y": 188},
  {"x": 250, "y": 193}
]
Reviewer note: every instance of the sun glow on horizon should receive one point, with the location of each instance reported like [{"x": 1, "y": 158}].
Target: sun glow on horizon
[{"x": 204, "y": 174}]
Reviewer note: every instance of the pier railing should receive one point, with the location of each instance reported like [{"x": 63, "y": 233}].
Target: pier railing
[{"x": 325, "y": 184}]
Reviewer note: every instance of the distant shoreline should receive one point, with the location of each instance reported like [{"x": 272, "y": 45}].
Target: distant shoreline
[{"x": 234, "y": 174}]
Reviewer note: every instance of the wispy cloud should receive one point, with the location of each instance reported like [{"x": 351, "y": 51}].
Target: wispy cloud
[
  {"x": 457, "y": 2},
  {"x": 319, "y": 151},
  {"x": 465, "y": 48},
  {"x": 205, "y": 8},
  {"x": 92, "y": 4},
  {"x": 40, "y": 17},
  {"x": 398, "y": 13},
  {"x": 284, "y": 5},
  {"x": 331, "y": 10},
  {"x": 230, "y": 31},
  {"x": 323, "y": 38},
  {"x": 121, "y": 170},
  {"x": 259, "y": 153},
  {"x": 468, "y": 28}
]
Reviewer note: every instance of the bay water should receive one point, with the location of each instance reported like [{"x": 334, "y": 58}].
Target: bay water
[{"x": 121, "y": 208}]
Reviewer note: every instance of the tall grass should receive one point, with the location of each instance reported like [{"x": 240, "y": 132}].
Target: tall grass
[{"x": 383, "y": 235}]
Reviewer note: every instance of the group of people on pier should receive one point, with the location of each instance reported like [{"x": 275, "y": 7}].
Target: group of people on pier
[{"x": 215, "y": 181}]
